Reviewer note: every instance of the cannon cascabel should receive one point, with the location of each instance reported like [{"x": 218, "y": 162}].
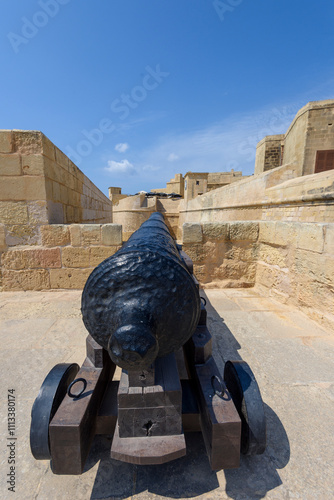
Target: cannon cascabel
[{"x": 141, "y": 302}]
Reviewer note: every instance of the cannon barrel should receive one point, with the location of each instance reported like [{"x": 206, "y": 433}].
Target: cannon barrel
[{"x": 142, "y": 302}]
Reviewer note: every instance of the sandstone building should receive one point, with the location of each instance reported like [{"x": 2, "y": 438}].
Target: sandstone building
[
  {"x": 308, "y": 142},
  {"x": 197, "y": 183}
]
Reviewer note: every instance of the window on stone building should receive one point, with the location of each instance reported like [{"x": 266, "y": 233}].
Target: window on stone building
[
  {"x": 197, "y": 183},
  {"x": 324, "y": 161}
]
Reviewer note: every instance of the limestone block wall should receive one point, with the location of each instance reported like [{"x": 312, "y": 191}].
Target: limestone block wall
[
  {"x": 134, "y": 210},
  {"x": 175, "y": 185},
  {"x": 268, "y": 153},
  {"x": 295, "y": 265},
  {"x": 295, "y": 140},
  {"x": 195, "y": 183},
  {"x": 291, "y": 261},
  {"x": 224, "y": 253},
  {"x": 278, "y": 194},
  {"x": 305, "y": 199},
  {"x": 64, "y": 259},
  {"x": 170, "y": 209},
  {"x": 40, "y": 185},
  {"x": 311, "y": 130},
  {"x": 320, "y": 134}
]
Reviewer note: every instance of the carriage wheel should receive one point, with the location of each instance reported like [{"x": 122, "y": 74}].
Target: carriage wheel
[
  {"x": 247, "y": 399},
  {"x": 50, "y": 395}
]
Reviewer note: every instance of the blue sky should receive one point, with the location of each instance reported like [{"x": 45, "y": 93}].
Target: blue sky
[{"x": 137, "y": 91}]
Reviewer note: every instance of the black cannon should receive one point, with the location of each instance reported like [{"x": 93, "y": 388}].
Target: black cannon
[
  {"x": 143, "y": 312},
  {"x": 142, "y": 302}
]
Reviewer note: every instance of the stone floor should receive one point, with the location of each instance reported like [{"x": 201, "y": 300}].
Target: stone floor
[{"x": 293, "y": 361}]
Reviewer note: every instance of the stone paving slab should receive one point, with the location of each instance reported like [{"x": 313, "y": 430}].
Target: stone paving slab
[{"x": 291, "y": 356}]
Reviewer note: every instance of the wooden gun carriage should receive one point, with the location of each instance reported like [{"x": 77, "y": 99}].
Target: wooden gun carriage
[{"x": 143, "y": 312}]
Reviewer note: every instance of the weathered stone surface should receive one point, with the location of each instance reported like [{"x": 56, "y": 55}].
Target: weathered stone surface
[
  {"x": 10, "y": 164},
  {"x": 55, "y": 235},
  {"x": 43, "y": 258},
  {"x": 311, "y": 237},
  {"x": 48, "y": 147},
  {"x": 54, "y": 171},
  {"x": 267, "y": 275},
  {"x": 75, "y": 257},
  {"x": 22, "y": 188},
  {"x": 38, "y": 212},
  {"x": 216, "y": 230},
  {"x": 14, "y": 259},
  {"x": 329, "y": 239},
  {"x": 285, "y": 233},
  {"x": 75, "y": 234},
  {"x": 61, "y": 158},
  {"x": 13, "y": 212},
  {"x": 98, "y": 254},
  {"x": 201, "y": 273},
  {"x": 195, "y": 251},
  {"x": 308, "y": 266},
  {"x": 240, "y": 250},
  {"x": 232, "y": 270},
  {"x": 111, "y": 234},
  {"x": 273, "y": 255},
  {"x": 90, "y": 234},
  {"x": 22, "y": 234},
  {"x": 27, "y": 142},
  {"x": 32, "y": 258},
  {"x": 244, "y": 231},
  {"x": 55, "y": 212},
  {"x": 319, "y": 296},
  {"x": 33, "y": 164},
  {"x": 192, "y": 232},
  {"x": 69, "y": 214},
  {"x": 3, "y": 245},
  {"x": 28, "y": 279},
  {"x": 69, "y": 278},
  {"x": 6, "y": 143}
]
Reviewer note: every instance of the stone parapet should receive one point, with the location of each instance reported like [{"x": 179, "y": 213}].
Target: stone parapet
[
  {"x": 296, "y": 266},
  {"x": 40, "y": 185},
  {"x": 66, "y": 257},
  {"x": 224, "y": 254},
  {"x": 290, "y": 261},
  {"x": 274, "y": 195},
  {"x": 310, "y": 131}
]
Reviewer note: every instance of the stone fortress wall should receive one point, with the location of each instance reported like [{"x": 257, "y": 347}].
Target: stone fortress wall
[
  {"x": 131, "y": 211},
  {"x": 311, "y": 130},
  {"x": 292, "y": 262},
  {"x": 39, "y": 185},
  {"x": 65, "y": 257},
  {"x": 273, "y": 230}
]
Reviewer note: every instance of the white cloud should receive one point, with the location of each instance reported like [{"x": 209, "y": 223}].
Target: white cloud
[
  {"x": 172, "y": 157},
  {"x": 230, "y": 143},
  {"x": 122, "y": 147},
  {"x": 121, "y": 167},
  {"x": 216, "y": 147}
]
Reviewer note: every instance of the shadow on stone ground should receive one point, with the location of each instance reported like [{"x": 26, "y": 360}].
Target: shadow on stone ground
[{"x": 191, "y": 476}]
